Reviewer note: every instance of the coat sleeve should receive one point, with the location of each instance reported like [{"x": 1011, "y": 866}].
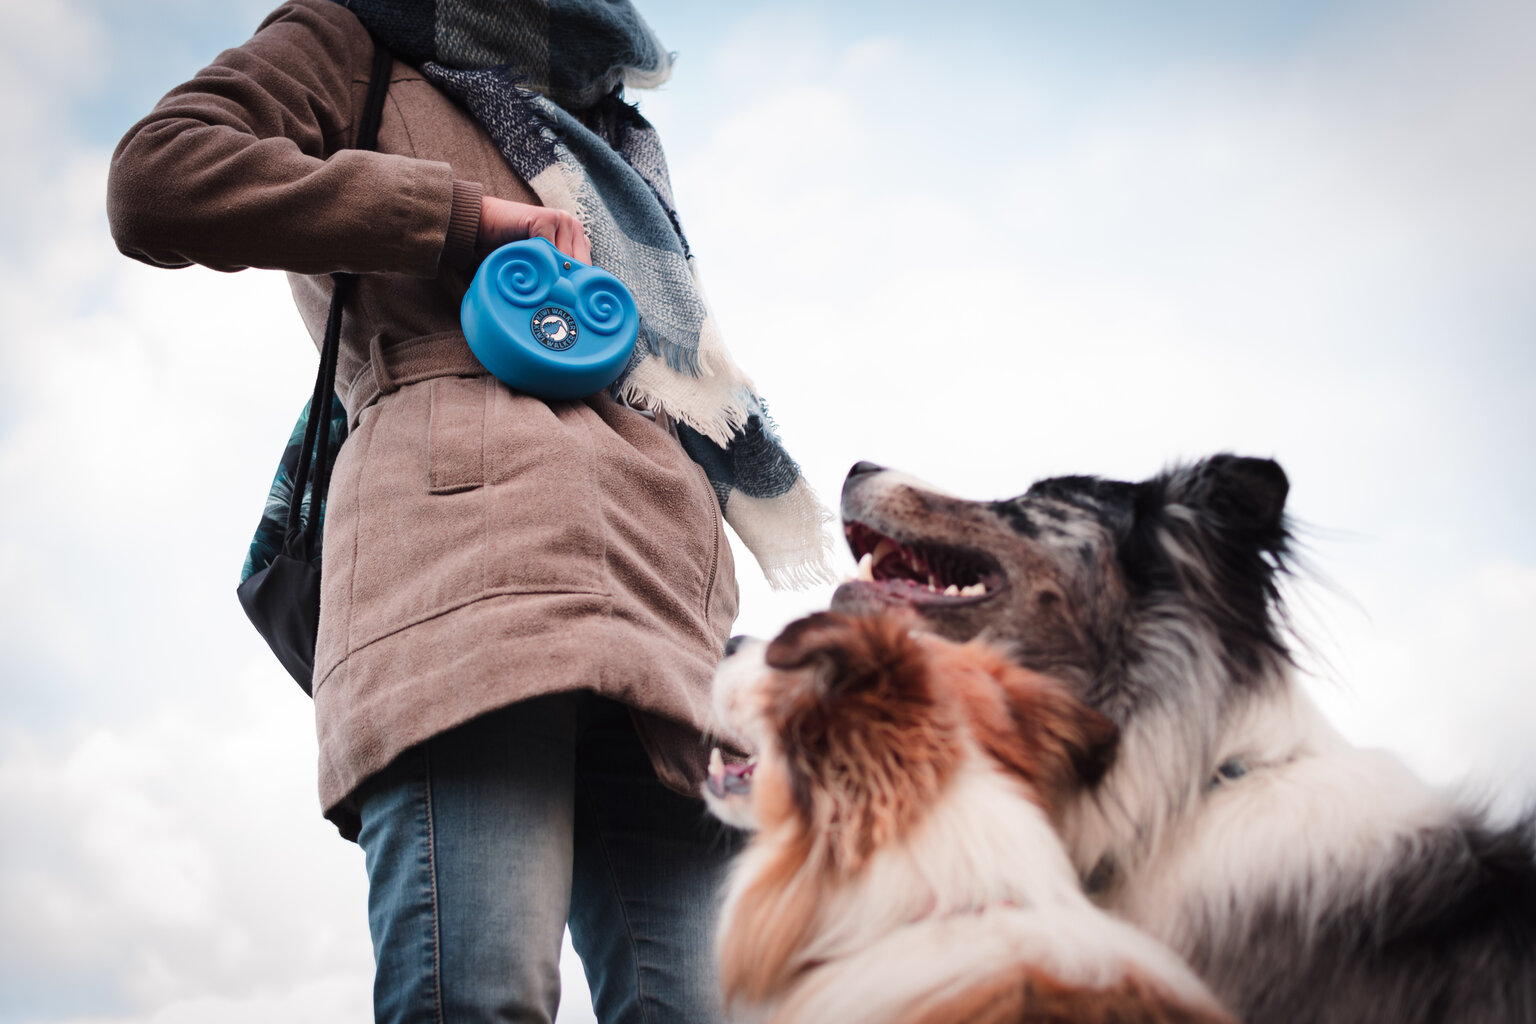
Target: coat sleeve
[{"x": 247, "y": 165}]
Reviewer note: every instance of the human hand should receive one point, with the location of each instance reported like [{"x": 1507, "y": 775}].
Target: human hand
[{"x": 503, "y": 221}]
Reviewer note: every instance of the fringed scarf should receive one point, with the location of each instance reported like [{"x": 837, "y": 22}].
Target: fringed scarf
[{"x": 545, "y": 78}]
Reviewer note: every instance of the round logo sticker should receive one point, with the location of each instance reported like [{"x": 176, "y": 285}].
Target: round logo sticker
[{"x": 554, "y": 328}]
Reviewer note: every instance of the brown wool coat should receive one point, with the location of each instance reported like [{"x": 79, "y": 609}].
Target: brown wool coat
[{"x": 481, "y": 546}]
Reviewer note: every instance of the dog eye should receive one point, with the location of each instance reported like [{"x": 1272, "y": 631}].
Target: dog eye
[{"x": 1230, "y": 770}]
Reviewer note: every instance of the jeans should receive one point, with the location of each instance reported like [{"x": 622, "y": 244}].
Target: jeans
[{"x": 482, "y": 843}]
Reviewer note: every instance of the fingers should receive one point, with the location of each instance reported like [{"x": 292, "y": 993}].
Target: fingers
[
  {"x": 571, "y": 239},
  {"x": 503, "y": 221},
  {"x": 565, "y": 231}
]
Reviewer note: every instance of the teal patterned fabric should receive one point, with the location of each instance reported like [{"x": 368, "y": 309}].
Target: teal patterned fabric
[{"x": 268, "y": 540}]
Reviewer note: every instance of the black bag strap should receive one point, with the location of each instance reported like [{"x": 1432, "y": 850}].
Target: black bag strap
[{"x": 299, "y": 539}]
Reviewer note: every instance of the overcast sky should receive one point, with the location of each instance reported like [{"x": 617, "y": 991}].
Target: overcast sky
[{"x": 982, "y": 242}]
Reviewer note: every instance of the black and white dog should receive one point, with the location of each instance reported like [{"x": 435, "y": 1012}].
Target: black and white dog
[{"x": 1303, "y": 878}]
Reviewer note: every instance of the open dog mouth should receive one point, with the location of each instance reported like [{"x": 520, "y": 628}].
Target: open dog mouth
[
  {"x": 726, "y": 780},
  {"x": 921, "y": 572}
]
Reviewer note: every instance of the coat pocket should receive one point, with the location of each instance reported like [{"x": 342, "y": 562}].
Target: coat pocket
[{"x": 456, "y": 433}]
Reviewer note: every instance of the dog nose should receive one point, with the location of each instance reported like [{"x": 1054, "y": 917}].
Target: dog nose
[
  {"x": 734, "y": 643},
  {"x": 860, "y": 468}
]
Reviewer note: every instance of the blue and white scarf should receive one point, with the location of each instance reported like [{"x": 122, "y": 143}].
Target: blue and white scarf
[{"x": 544, "y": 78}]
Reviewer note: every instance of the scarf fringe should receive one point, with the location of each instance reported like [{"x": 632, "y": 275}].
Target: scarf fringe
[
  {"x": 719, "y": 417},
  {"x": 800, "y": 576},
  {"x": 679, "y": 358},
  {"x": 787, "y": 535}
]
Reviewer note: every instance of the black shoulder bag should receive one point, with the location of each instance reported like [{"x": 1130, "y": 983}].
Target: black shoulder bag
[{"x": 280, "y": 587}]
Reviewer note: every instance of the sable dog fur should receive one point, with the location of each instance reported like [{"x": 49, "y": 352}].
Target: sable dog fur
[{"x": 905, "y": 867}]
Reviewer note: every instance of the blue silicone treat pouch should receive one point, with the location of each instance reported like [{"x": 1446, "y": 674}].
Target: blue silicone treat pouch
[{"x": 547, "y": 325}]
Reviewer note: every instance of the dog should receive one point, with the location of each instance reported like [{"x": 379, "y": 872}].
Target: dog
[
  {"x": 904, "y": 867},
  {"x": 1302, "y": 878}
]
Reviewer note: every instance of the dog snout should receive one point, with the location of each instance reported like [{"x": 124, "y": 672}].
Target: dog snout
[
  {"x": 860, "y": 469},
  {"x": 734, "y": 643}
]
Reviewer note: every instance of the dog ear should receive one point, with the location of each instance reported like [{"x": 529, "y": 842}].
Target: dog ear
[
  {"x": 1094, "y": 746},
  {"x": 1217, "y": 532},
  {"x": 1242, "y": 498},
  {"x": 849, "y": 653},
  {"x": 1064, "y": 743},
  {"x": 1087, "y": 738},
  {"x": 1244, "y": 493},
  {"x": 821, "y": 636}
]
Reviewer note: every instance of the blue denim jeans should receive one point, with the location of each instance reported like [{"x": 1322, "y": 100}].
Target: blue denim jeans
[{"x": 482, "y": 843}]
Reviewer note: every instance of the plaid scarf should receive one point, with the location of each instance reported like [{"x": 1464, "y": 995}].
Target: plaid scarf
[{"x": 525, "y": 70}]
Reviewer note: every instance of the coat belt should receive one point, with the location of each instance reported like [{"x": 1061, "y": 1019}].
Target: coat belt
[{"x": 390, "y": 368}]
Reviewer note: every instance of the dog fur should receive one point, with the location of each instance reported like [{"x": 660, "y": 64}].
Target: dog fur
[
  {"x": 1304, "y": 879},
  {"x": 905, "y": 867}
]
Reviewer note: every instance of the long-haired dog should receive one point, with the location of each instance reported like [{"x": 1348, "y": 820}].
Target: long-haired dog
[
  {"x": 904, "y": 867},
  {"x": 1304, "y": 879}
]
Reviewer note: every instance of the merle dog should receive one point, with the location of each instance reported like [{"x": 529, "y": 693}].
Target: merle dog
[{"x": 1303, "y": 878}]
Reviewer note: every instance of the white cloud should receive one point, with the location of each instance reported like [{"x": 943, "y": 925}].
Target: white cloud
[
  {"x": 1441, "y": 670},
  {"x": 330, "y": 999},
  {"x": 341, "y": 999},
  {"x": 50, "y": 55},
  {"x": 176, "y": 855},
  {"x": 176, "y": 869},
  {"x": 144, "y": 415},
  {"x": 52, "y": 52}
]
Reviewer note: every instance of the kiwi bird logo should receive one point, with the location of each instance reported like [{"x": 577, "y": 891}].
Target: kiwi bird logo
[{"x": 554, "y": 328}]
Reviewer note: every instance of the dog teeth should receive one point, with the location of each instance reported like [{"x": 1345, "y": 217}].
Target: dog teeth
[
  {"x": 885, "y": 547},
  {"x": 716, "y": 762}
]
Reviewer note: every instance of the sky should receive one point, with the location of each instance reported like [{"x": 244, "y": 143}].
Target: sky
[{"x": 979, "y": 242}]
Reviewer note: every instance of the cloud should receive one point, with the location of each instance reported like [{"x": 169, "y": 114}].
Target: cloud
[
  {"x": 1208, "y": 250},
  {"x": 50, "y": 57},
  {"x": 1441, "y": 671},
  {"x": 173, "y": 857},
  {"x": 176, "y": 869},
  {"x": 342, "y": 999},
  {"x": 144, "y": 412},
  {"x": 53, "y": 54}
]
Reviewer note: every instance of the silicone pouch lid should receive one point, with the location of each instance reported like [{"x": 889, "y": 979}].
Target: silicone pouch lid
[{"x": 546, "y": 324}]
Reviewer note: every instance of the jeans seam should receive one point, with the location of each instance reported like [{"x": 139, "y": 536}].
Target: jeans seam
[
  {"x": 437, "y": 941},
  {"x": 629, "y": 930}
]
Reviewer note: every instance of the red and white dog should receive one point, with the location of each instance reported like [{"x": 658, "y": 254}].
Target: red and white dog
[{"x": 905, "y": 867}]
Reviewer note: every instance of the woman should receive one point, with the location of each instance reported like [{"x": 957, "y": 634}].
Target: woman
[{"x": 522, "y": 601}]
